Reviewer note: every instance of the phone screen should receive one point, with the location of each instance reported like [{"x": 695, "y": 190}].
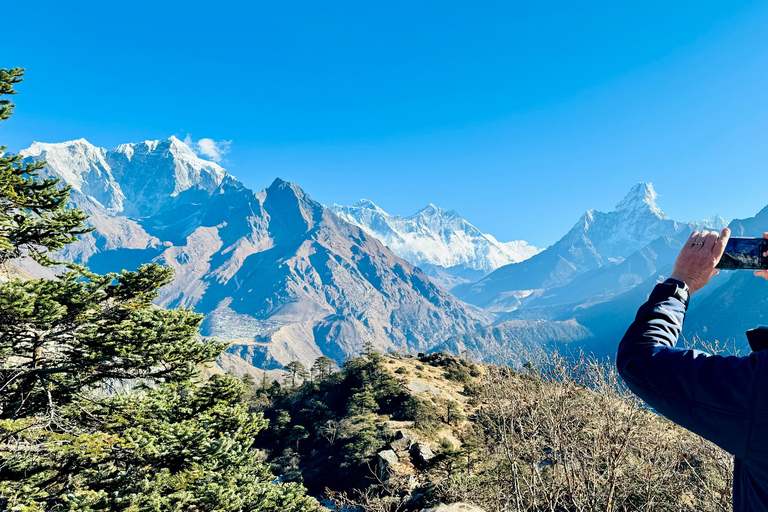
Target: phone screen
[{"x": 744, "y": 253}]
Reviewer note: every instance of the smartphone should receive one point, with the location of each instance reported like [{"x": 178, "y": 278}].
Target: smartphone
[{"x": 746, "y": 253}]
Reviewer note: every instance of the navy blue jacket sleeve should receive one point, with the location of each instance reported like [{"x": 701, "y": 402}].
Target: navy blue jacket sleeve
[{"x": 710, "y": 395}]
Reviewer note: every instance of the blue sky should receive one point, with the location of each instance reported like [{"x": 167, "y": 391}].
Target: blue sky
[{"x": 519, "y": 115}]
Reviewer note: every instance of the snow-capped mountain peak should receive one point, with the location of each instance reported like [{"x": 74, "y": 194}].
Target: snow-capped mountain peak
[
  {"x": 364, "y": 204},
  {"x": 145, "y": 173},
  {"x": 439, "y": 241},
  {"x": 81, "y": 165},
  {"x": 612, "y": 236},
  {"x": 69, "y": 153},
  {"x": 641, "y": 197},
  {"x": 188, "y": 169},
  {"x": 434, "y": 211}
]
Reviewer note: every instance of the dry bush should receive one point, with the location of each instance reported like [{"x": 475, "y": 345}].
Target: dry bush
[
  {"x": 389, "y": 495},
  {"x": 568, "y": 436}
]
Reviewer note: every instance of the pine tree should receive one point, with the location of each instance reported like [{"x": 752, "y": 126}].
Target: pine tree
[
  {"x": 65, "y": 338},
  {"x": 323, "y": 367},
  {"x": 296, "y": 370},
  {"x": 33, "y": 214},
  {"x": 101, "y": 404}
]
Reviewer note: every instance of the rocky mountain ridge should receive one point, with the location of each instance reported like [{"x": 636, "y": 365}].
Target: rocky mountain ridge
[
  {"x": 598, "y": 240},
  {"x": 287, "y": 278},
  {"x": 276, "y": 271},
  {"x": 449, "y": 248}
]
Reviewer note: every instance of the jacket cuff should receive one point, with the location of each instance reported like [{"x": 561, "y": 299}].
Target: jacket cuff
[{"x": 671, "y": 289}]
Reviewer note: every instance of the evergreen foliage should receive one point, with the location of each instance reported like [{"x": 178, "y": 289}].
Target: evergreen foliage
[
  {"x": 33, "y": 214},
  {"x": 322, "y": 367},
  {"x": 65, "y": 338},
  {"x": 336, "y": 413},
  {"x": 101, "y": 402},
  {"x": 296, "y": 371}
]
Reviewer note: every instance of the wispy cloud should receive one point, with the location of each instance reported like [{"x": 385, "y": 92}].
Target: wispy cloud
[{"x": 209, "y": 148}]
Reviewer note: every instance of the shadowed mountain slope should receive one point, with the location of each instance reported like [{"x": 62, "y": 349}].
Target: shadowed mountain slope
[{"x": 274, "y": 270}]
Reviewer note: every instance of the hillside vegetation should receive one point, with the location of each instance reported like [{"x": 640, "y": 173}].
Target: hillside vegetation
[
  {"x": 394, "y": 433},
  {"x": 104, "y": 407},
  {"x": 102, "y": 404}
]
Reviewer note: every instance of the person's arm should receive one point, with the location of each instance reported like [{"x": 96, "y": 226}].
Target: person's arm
[{"x": 710, "y": 395}]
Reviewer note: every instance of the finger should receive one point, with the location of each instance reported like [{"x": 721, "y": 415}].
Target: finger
[
  {"x": 722, "y": 241},
  {"x": 765, "y": 234},
  {"x": 699, "y": 242},
  {"x": 762, "y": 273},
  {"x": 710, "y": 240},
  {"x": 694, "y": 236}
]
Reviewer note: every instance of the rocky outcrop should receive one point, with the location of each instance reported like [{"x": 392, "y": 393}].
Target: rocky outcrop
[
  {"x": 421, "y": 454},
  {"x": 416, "y": 386},
  {"x": 403, "y": 441},
  {"x": 387, "y": 460}
]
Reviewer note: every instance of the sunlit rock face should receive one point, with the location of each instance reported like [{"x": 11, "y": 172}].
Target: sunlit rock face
[{"x": 275, "y": 271}]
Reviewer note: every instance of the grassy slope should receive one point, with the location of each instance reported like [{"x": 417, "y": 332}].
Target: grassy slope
[{"x": 554, "y": 437}]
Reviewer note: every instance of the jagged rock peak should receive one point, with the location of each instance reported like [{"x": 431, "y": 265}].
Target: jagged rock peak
[
  {"x": 283, "y": 191},
  {"x": 431, "y": 209},
  {"x": 280, "y": 185},
  {"x": 641, "y": 197},
  {"x": 366, "y": 204}
]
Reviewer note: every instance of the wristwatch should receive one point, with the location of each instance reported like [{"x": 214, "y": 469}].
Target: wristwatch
[{"x": 681, "y": 291}]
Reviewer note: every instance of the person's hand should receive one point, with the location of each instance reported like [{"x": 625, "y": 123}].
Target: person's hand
[
  {"x": 695, "y": 265},
  {"x": 763, "y": 273}
]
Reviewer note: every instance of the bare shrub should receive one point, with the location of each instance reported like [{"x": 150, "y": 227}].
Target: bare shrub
[
  {"x": 388, "y": 495},
  {"x": 567, "y": 435}
]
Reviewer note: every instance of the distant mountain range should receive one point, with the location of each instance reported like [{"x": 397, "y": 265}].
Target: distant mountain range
[
  {"x": 602, "y": 244},
  {"x": 448, "y": 248},
  {"x": 288, "y": 279},
  {"x": 276, "y": 271}
]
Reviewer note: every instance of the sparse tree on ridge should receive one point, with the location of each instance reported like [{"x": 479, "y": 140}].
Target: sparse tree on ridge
[
  {"x": 323, "y": 367},
  {"x": 296, "y": 370}
]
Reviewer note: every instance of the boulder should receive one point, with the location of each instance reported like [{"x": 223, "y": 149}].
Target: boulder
[
  {"x": 417, "y": 386},
  {"x": 387, "y": 459},
  {"x": 421, "y": 453},
  {"x": 402, "y": 441}
]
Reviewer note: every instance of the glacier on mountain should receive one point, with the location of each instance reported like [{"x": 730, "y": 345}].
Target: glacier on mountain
[
  {"x": 597, "y": 240},
  {"x": 446, "y": 246}
]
